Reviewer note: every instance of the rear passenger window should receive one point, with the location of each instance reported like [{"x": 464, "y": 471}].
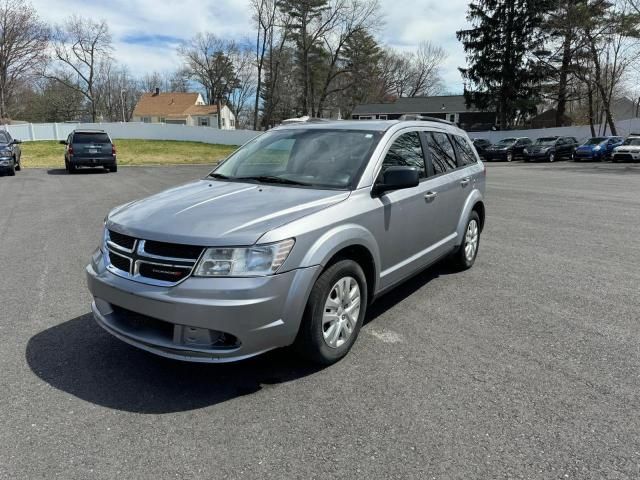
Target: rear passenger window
[
  {"x": 442, "y": 154},
  {"x": 406, "y": 151},
  {"x": 465, "y": 153},
  {"x": 90, "y": 137}
]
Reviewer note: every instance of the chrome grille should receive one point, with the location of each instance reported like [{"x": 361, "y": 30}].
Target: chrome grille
[{"x": 151, "y": 262}]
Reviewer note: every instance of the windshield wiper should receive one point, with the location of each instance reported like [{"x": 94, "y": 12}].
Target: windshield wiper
[
  {"x": 218, "y": 176},
  {"x": 274, "y": 179}
]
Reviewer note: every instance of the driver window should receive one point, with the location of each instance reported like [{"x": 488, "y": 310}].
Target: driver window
[{"x": 406, "y": 151}]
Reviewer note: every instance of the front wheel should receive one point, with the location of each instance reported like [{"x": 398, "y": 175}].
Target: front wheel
[
  {"x": 465, "y": 256},
  {"x": 334, "y": 313},
  {"x": 18, "y": 166},
  {"x": 552, "y": 157},
  {"x": 509, "y": 157}
]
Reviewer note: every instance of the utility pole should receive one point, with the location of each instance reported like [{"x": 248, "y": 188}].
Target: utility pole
[{"x": 122, "y": 92}]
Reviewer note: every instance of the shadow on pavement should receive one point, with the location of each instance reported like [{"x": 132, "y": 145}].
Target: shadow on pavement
[
  {"x": 80, "y": 171},
  {"x": 80, "y": 358}
]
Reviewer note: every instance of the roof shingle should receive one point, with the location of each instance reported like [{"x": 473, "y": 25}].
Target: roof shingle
[{"x": 171, "y": 104}]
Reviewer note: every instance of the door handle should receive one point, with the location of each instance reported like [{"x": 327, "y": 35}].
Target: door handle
[
  {"x": 465, "y": 182},
  {"x": 430, "y": 196}
]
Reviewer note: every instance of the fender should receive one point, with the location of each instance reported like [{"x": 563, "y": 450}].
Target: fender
[
  {"x": 338, "y": 238},
  {"x": 474, "y": 197}
]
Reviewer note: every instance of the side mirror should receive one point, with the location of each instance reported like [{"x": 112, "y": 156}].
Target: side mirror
[
  {"x": 397, "y": 178},
  {"x": 16, "y": 141},
  {"x": 63, "y": 142}
]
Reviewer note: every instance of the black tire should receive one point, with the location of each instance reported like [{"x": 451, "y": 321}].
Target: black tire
[
  {"x": 459, "y": 258},
  {"x": 310, "y": 342},
  {"x": 72, "y": 168},
  {"x": 18, "y": 166},
  {"x": 113, "y": 168},
  {"x": 12, "y": 171}
]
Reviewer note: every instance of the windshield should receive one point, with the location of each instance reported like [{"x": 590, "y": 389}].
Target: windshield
[
  {"x": 546, "y": 141},
  {"x": 322, "y": 158},
  {"x": 596, "y": 141},
  {"x": 506, "y": 141},
  {"x": 635, "y": 141}
]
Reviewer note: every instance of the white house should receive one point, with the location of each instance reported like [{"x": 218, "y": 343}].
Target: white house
[{"x": 181, "y": 108}]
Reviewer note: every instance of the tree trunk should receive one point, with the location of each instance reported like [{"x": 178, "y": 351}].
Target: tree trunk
[
  {"x": 562, "y": 81},
  {"x": 606, "y": 101},
  {"x": 590, "y": 103},
  {"x": 219, "y": 108}
]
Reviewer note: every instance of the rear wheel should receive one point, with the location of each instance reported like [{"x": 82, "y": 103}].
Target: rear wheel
[
  {"x": 465, "y": 256},
  {"x": 113, "y": 168},
  {"x": 334, "y": 313},
  {"x": 509, "y": 156},
  {"x": 552, "y": 157}
]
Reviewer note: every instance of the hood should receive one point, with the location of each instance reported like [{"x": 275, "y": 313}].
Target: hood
[
  {"x": 627, "y": 148},
  {"x": 538, "y": 148},
  {"x": 590, "y": 148},
  {"x": 217, "y": 213}
]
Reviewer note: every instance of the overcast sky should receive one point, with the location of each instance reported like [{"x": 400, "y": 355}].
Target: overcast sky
[{"x": 146, "y": 32}]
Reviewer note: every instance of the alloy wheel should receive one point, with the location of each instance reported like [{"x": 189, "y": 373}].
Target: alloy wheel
[
  {"x": 341, "y": 312},
  {"x": 471, "y": 240}
]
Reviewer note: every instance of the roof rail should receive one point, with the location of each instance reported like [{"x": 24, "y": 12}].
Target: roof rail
[
  {"x": 305, "y": 119},
  {"x": 425, "y": 119}
]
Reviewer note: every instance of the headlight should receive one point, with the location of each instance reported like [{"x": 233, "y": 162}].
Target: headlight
[
  {"x": 5, "y": 153},
  {"x": 259, "y": 260},
  {"x": 5, "y": 163}
]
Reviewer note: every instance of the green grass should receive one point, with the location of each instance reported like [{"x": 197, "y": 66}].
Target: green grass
[{"x": 50, "y": 154}]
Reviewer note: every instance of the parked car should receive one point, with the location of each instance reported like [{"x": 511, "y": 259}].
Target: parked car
[
  {"x": 597, "y": 148},
  {"x": 551, "y": 149},
  {"x": 508, "y": 149},
  {"x": 629, "y": 151},
  {"x": 89, "y": 148},
  {"x": 481, "y": 145},
  {"x": 263, "y": 254},
  {"x": 10, "y": 154}
]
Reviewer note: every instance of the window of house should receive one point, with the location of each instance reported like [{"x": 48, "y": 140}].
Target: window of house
[
  {"x": 162, "y": 119},
  {"x": 442, "y": 154},
  {"x": 406, "y": 151},
  {"x": 382, "y": 117},
  {"x": 465, "y": 153},
  {"x": 203, "y": 122},
  {"x": 365, "y": 117},
  {"x": 232, "y": 122},
  {"x": 452, "y": 117},
  {"x": 146, "y": 119},
  {"x": 223, "y": 119}
]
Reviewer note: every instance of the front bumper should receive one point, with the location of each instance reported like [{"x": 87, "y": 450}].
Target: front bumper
[
  {"x": 6, "y": 163},
  {"x": 626, "y": 157},
  {"x": 495, "y": 155},
  {"x": 185, "y": 321}
]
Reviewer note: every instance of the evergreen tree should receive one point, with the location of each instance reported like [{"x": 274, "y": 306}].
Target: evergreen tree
[{"x": 503, "y": 71}]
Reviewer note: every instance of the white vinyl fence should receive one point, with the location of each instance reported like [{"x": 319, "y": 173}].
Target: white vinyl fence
[
  {"x": 160, "y": 131},
  {"x": 133, "y": 130},
  {"x": 581, "y": 132}
]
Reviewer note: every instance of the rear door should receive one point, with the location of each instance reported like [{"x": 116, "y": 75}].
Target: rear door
[{"x": 92, "y": 145}]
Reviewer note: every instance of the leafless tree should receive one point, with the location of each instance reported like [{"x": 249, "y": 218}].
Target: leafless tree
[
  {"x": 207, "y": 59},
  {"x": 80, "y": 47},
  {"x": 265, "y": 13},
  {"x": 352, "y": 16},
  {"x": 23, "y": 43},
  {"x": 412, "y": 74},
  {"x": 242, "y": 59},
  {"x": 116, "y": 92}
]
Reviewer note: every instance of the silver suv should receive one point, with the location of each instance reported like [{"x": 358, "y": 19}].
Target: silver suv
[{"x": 288, "y": 240}]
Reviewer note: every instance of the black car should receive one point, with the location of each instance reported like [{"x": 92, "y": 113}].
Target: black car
[
  {"x": 10, "y": 154},
  {"x": 507, "y": 149},
  {"x": 481, "y": 145},
  {"x": 551, "y": 149},
  {"x": 89, "y": 148}
]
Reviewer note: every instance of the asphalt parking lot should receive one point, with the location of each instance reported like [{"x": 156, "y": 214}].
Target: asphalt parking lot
[{"x": 526, "y": 366}]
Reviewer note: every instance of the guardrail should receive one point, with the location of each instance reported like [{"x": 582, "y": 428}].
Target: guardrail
[{"x": 133, "y": 130}]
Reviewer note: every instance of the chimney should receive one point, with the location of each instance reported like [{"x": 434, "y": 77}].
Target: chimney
[{"x": 157, "y": 91}]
